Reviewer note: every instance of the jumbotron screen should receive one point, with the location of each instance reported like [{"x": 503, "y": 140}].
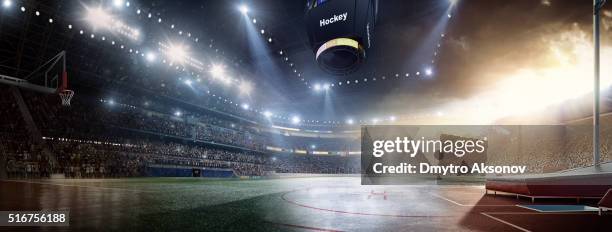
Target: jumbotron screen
[{"x": 305, "y": 115}]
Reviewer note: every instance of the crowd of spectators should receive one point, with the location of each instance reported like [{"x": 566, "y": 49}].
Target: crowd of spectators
[
  {"x": 316, "y": 164},
  {"x": 86, "y": 143}
]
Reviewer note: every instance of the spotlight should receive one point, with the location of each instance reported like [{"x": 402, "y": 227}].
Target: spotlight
[
  {"x": 118, "y": 3},
  {"x": 254, "y": 21},
  {"x": 262, "y": 31},
  {"x": 267, "y": 114},
  {"x": 178, "y": 113},
  {"x": 111, "y": 102},
  {"x": 295, "y": 120},
  {"x": 428, "y": 71},
  {"x": 243, "y": 9},
  {"x": 317, "y": 87},
  {"x": 188, "y": 82},
  {"x": 270, "y": 40},
  {"x": 326, "y": 87},
  {"x": 7, "y": 3},
  {"x": 98, "y": 18},
  {"x": 176, "y": 53},
  {"x": 151, "y": 56},
  {"x": 350, "y": 122},
  {"x": 22, "y": 9},
  {"x": 313, "y": 146},
  {"x": 245, "y": 106},
  {"x": 453, "y": 2},
  {"x": 217, "y": 70},
  {"x": 392, "y": 118},
  {"x": 375, "y": 121}
]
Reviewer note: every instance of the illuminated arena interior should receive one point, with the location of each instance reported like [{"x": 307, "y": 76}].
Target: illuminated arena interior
[{"x": 221, "y": 111}]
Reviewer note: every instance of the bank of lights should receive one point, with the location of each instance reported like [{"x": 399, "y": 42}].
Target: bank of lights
[
  {"x": 176, "y": 53},
  {"x": 98, "y": 18}
]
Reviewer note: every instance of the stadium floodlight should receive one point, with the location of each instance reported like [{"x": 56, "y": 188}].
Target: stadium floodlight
[
  {"x": 267, "y": 114},
  {"x": 243, "y": 9},
  {"x": 7, "y": 3},
  {"x": 98, "y": 18},
  {"x": 295, "y": 120},
  {"x": 177, "y": 53},
  {"x": 245, "y": 106},
  {"x": 217, "y": 70},
  {"x": 350, "y": 122},
  {"x": 118, "y": 3},
  {"x": 151, "y": 56},
  {"x": 428, "y": 71}
]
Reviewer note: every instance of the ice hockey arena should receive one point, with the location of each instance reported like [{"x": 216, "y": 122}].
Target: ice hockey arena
[{"x": 305, "y": 115}]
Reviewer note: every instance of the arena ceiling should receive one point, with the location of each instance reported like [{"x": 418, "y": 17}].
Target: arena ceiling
[{"x": 484, "y": 43}]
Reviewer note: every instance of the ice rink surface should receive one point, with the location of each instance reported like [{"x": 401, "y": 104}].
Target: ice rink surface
[{"x": 287, "y": 204}]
